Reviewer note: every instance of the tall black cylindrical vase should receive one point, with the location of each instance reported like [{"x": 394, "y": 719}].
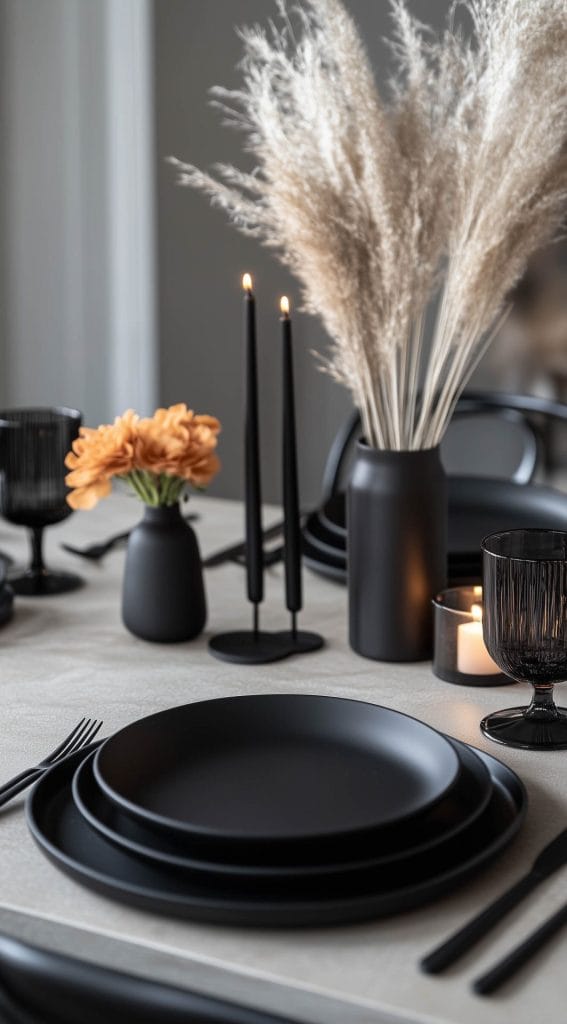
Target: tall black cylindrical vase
[
  {"x": 397, "y": 551},
  {"x": 163, "y": 596}
]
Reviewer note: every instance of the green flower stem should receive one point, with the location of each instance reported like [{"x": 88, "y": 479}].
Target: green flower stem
[{"x": 153, "y": 489}]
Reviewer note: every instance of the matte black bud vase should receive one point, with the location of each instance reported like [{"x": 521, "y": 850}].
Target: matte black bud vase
[
  {"x": 163, "y": 596},
  {"x": 397, "y": 551}
]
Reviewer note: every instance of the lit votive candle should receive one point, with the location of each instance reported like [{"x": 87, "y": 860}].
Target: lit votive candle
[{"x": 472, "y": 656}]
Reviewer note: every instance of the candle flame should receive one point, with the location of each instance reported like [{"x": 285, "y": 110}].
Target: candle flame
[
  {"x": 476, "y": 612},
  {"x": 247, "y": 282},
  {"x": 477, "y": 591},
  {"x": 284, "y": 305}
]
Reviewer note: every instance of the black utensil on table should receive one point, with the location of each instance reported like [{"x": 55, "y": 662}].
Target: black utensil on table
[
  {"x": 271, "y": 557},
  {"x": 79, "y": 737},
  {"x": 233, "y": 551},
  {"x": 94, "y": 552},
  {"x": 513, "y": 961},
  {"x": 551, "y": 858},
  {"x": 33, "y": 446}
]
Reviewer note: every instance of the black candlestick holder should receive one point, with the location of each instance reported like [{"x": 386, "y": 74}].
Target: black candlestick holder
[{"x": 259, "y": 647}]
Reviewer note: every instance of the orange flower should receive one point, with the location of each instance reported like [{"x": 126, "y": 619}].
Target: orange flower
[
  {"x": 178, "y": 443},
  {"x": 174, "y": 443}
]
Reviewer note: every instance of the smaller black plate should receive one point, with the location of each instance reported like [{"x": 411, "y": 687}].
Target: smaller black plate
[
  {"x": 451, "y": 816},
  {"x": 78, "y": 851},
  {"x": 275, "y": 770}
]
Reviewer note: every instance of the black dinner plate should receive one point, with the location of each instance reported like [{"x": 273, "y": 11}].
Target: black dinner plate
[
  {"x": 452, "y": 815},
  {"x": 275, "y": 770},
  {"x": 76, "y": 849}
]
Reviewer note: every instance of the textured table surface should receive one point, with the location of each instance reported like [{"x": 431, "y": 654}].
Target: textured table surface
[{"x": 65, "y": 657}]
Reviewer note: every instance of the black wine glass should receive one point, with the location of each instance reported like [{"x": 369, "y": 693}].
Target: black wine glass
[
  {"x": 525, "y": 631},
  {"x": 33, "y": 446}
]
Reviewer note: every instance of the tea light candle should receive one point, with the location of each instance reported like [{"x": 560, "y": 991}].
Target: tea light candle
[
  {"x": 459, "y": 653},
  {"x": 472, "y": 656}
]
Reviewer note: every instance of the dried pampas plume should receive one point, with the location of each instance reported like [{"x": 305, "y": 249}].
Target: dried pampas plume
[{"x": 441, "y": 193}]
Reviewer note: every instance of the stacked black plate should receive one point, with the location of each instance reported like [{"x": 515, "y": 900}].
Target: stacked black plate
[
  {"x": 477, "y": 507},
  {"x": 276, "y": 810}
]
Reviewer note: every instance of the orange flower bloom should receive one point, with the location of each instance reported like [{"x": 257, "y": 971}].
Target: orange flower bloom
[{"x": 174, "y": 443}]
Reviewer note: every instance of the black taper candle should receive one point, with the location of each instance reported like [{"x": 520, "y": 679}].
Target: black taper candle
[
  {"x": 253, "y": 491},
  {"x": 292, "y": 526}
]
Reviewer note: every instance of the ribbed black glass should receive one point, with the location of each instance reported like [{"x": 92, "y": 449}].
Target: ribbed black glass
[
  {"x": 525, "y": 630},
  {"x": 33, "y": 446}
]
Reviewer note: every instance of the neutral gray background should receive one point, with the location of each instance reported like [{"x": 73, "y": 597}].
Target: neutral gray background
[
  {"x": 201, "y": 258},
  {"x": 118, "y": 288}
]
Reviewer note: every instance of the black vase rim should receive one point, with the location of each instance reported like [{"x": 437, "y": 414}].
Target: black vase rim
[
  {"x": 369, "y": 449},
  {"x": 154, "y": 511}
]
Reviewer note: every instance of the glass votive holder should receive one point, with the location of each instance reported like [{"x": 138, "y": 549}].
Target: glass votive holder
[{"x": 459, "y": 653}]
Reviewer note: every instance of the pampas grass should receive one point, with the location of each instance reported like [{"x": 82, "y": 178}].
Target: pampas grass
[{"x": 438, "y": 193}]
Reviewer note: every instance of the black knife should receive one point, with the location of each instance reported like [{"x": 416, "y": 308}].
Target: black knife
[
  {"x": 549, "y": 860},
  {"x": 511, "y": 963},
  {"x": 234, "y": 550}
]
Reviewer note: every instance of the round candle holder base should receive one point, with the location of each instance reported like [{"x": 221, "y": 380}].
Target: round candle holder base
[
  {"x": 468, "y": 679},
  {"x": 246, "y": 647},
  {"x": 302, "y": 642},
  {"x": 249, "y": 647}
]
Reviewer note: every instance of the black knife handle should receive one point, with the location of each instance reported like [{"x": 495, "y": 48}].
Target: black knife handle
[
  {"x": 475, "y": 929},
  {"x": 511, "y": 963}
]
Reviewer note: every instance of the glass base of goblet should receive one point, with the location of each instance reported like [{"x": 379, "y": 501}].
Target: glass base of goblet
[
  {"x": 513, "y": 728},
  {"x": 43, "y": 584}
]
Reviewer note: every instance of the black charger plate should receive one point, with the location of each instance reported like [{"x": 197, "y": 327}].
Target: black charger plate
[
  {"x": 450, "y": 817},
  {"x": 275, "y": 771},
  {"x": 75, "y": 848}
]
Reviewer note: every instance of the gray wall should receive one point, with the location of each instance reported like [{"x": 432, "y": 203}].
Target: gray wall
[
  {"x": 201, "y": 258},
  {"x": 76, "y": 205}
]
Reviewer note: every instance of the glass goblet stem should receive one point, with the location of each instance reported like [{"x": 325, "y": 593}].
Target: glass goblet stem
[
  {"x": 542, "y": 706},
  {"x": 37, "y": 566}
]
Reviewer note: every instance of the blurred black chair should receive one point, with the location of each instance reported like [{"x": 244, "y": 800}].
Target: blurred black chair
[
  {"x": 515, "y": 426},
  {"x": 41, "y": 987}
]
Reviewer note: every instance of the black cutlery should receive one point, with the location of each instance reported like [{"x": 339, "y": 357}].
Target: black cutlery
[
  {"x": 79, "y": 737},
  {"x": 513, "y": 961},
  {"x": 552, "y": 857},
  {"x": 93, "y": 552},
  {"x": 235, "y": 550},
  {"x": 271, "y": 557}
]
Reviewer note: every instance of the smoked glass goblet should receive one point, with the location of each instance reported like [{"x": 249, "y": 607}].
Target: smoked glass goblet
[
  {"x": 525, "y": 631},
  {"x": 33, "y": 445}
]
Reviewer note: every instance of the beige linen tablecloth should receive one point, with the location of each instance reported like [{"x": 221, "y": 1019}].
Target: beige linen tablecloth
[{"x": 65, "y": 657}]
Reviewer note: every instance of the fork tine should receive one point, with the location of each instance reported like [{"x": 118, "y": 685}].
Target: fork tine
[
  {"x": 71, "y": 743},
  {"x": 83, "y": 733},
  {"x": 68, "y": 739},
  {"x": 81, "y": 739}
]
